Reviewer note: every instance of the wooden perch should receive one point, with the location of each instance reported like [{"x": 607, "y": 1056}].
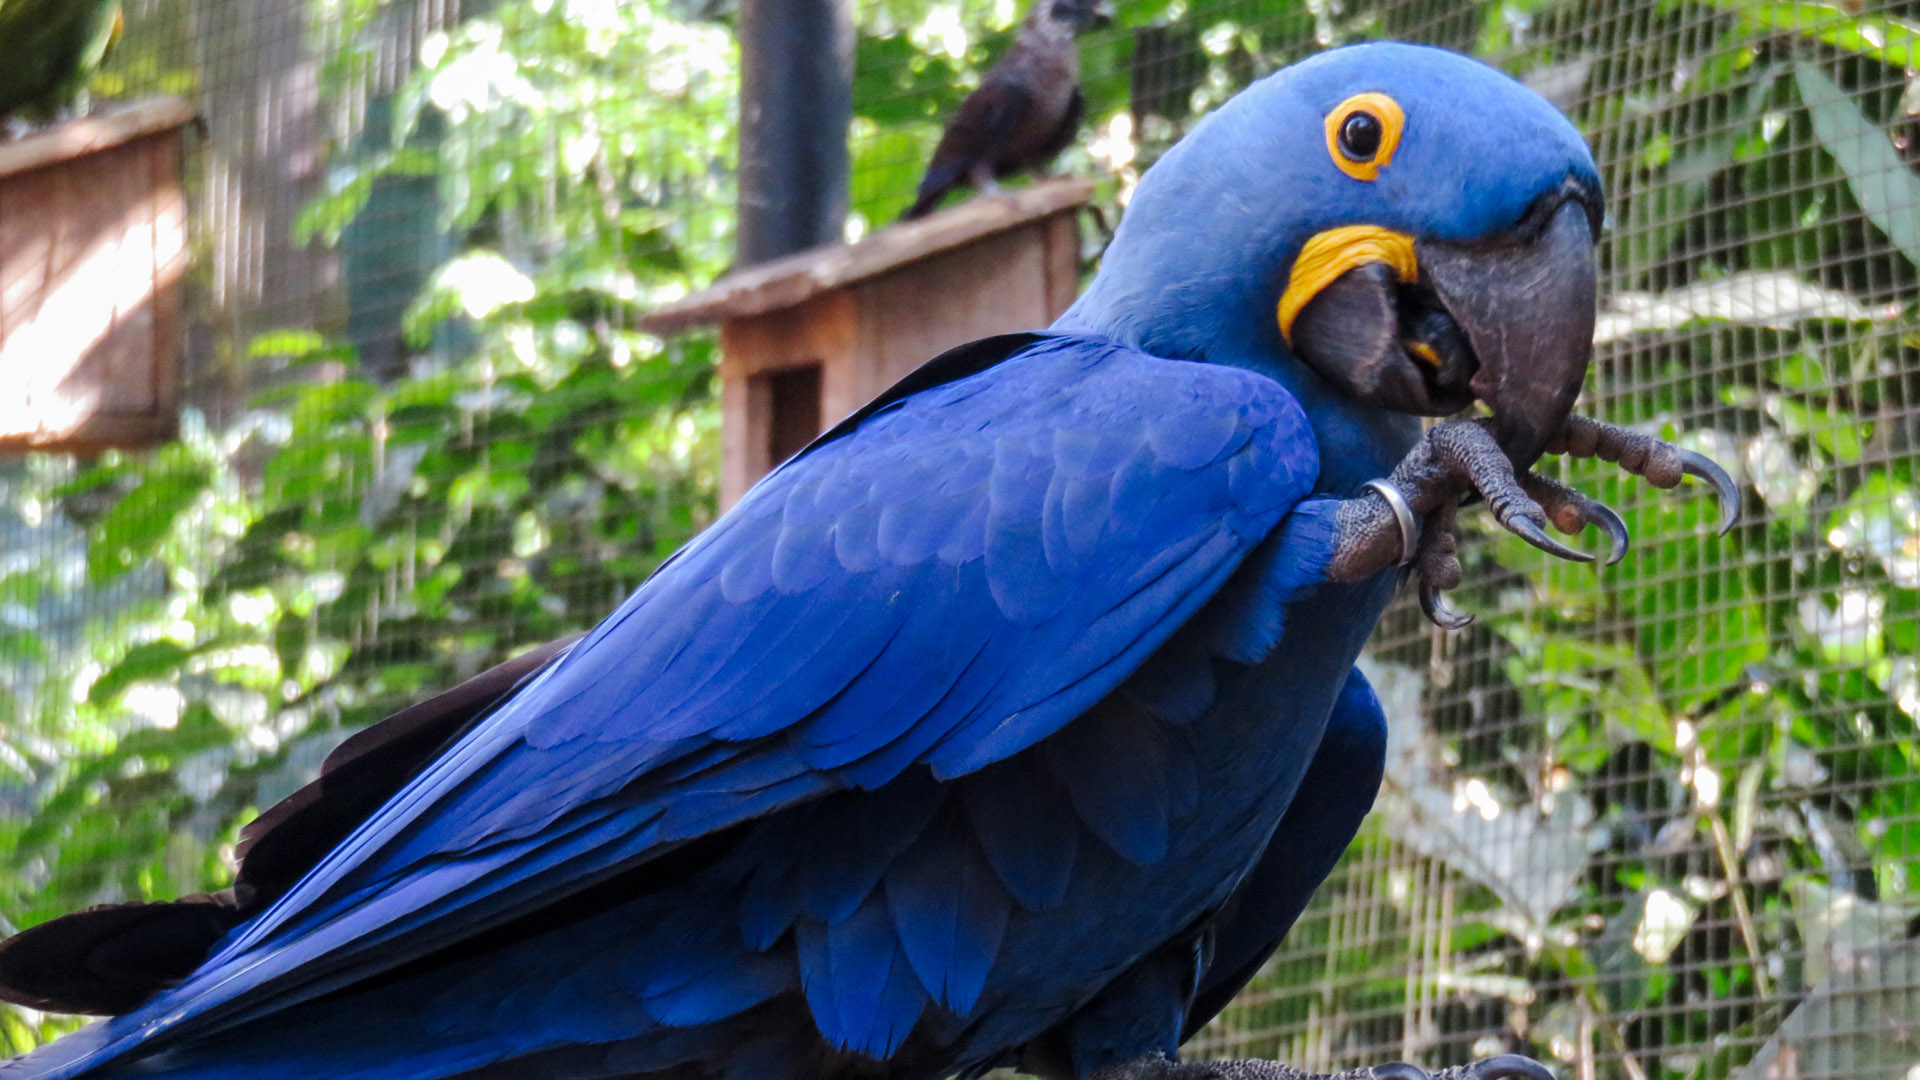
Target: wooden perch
[
  {"x": 91, "y": 134},
  {"x": 795, "y": 279}
]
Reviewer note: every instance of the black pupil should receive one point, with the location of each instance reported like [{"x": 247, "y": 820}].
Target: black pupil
[{"x": 1360, "y": 136}]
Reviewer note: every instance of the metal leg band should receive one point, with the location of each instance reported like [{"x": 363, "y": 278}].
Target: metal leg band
[{"x": 1402, "y": 514}]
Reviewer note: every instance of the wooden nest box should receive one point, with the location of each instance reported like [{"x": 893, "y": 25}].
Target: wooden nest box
[
  {"x": 93, "y": 247},
  {"x": 807, "y": 339}
]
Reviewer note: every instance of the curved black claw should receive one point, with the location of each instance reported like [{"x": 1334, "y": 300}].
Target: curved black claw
[
  {"x": 1503, "y": 1067},
  {"x": 1601, "y": 514},
  {"x": 1529, "y": 530},
  {"x": 1434, "y": 605},
  {"x": 1701, "y": 467}
]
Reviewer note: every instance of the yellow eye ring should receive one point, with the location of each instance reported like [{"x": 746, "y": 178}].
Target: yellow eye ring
[{"x": 1362, "y": 134}]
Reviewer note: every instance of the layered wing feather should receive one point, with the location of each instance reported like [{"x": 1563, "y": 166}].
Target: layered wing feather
[
  {"x": 936, "y": 588},
  {"x": 1324, "y": 817}
]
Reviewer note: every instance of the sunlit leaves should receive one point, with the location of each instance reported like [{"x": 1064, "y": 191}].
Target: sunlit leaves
[
  {"x": 358, "y": 538},
  {"x": 1881, "y": 519},
  {"x": 140, "y": 521},
  {"x": 150, "y": 661},
  {"x": 477, "y": 284},
  {"x": 1888, "y": 39}
]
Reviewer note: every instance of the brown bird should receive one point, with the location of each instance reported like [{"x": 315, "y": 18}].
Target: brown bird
[{"x": 1025, "y": 112}]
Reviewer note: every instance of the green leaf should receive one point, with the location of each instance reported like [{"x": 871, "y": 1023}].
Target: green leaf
[
  {"x": 1881, "y": 518},
  {"x": 1834, "y": 430},
  {"x": 153, "y": 661},
  {"x": 129, "y": 534},
  {"x": 1884, "y": 38},
  {"x": 287, "y": 343},
  {"x": 1802, "y": 372},
  {"x": 886, "y": 169},
  {"x": 895, "y": 83},
  {"x": 1567, "y": 673},
  {"x": 113, "y": 471},
  {"x": 1886, "y": 189}
]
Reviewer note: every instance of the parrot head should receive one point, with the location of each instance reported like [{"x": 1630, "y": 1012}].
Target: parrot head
[{"x": 1385, "y": 228}]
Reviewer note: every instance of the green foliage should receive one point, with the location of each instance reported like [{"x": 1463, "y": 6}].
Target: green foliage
[
  {"x": 1888, "y": 39},
  {"x": 247, "y": 596}
]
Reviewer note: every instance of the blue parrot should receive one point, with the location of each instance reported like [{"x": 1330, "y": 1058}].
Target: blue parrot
[{"x": 1010, "y": 723}]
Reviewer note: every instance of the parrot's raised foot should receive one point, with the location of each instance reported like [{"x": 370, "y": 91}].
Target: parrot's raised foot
[
  {"x": 1156, "y": 1067},
  {"x": 1659, "y": 461},
  {"x": 1452, "y": 459},
  {"x": 1461, "y": 456},
  {"x": 1438, "y": 569},
  {"x": 1571, "y": 512}
]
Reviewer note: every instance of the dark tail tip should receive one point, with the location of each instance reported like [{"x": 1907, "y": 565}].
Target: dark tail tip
[{"x": 109, "y": 960}]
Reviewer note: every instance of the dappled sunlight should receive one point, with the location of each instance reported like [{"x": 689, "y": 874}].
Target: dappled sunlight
[{"x": 75, "y": 336}]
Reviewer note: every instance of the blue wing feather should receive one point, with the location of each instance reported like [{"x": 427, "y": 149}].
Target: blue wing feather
[
  {"x": 1170, "y": 992},
  {"x": 869, "y": 836},
  {"x": 1025, "y": 828},
  {"x": 1117, "y": 774},
  {"x": 949, "y": 912},
  {"x": 1324, "y": 817},
  {"x": 874, "y": 605},
  {"x": 858, "y": 981}
]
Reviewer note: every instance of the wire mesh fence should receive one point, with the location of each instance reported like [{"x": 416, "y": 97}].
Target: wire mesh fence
[{"x": 1651, "y": 821}]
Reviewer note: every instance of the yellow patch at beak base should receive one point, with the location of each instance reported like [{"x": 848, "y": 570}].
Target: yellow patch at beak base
[{"x": 1332, "y": 253}]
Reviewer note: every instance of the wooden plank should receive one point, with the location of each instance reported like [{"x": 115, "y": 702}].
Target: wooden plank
[
  {"x": 116, "y": 187},
  {"x": 26, "y": 246},
  {"x": 93, "y": 250},
  {"x": 92, "y": 134},
  {"x": 1062, "y": 258},
  {"x": 737, "y": 434},
  {"x": 798, "y": 278},
  {"x": 171, "y": 260},
  {"x": 993, "y": 286},
  {"x": 819, "y": 332}
]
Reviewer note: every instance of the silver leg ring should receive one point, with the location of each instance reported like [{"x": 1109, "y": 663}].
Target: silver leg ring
[{"x": 1402, "y": 514}]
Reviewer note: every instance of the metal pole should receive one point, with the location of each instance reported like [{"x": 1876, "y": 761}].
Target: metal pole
[{"x": 796, "y": 100}]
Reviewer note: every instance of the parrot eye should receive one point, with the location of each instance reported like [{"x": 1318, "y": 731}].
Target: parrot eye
[
  {"x": 1362, "y": 134},
  {"x": 1360, "y": 137}
]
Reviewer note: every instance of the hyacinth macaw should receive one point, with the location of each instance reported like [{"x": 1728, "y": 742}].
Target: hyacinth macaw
[{"x": 1009, "y": 723}]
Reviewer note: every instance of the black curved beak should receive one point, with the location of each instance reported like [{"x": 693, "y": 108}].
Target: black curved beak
[{"x": 1526, "y": 304}]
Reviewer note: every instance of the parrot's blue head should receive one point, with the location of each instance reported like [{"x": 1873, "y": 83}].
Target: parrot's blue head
[{"x": 1390, "y": 230}]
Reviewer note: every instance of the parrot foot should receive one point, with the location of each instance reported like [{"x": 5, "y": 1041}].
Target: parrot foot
[
  {"x": 1661, "y": 463},
  {"x": 1157, "y": 1067},
  {"x": 1571, "y": 512},
  {"x": 1436, "y": 564},
  {"x": 1460, "y": 456},
  {"x": 1453, "y": 458}
]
